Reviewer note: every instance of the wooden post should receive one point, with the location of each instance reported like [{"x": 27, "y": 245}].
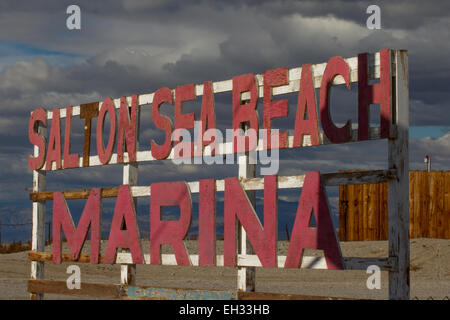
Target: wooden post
[
  {"x": 398, "y": 193},
  {"x": 130, "y": 177},
  {"x": 38, "y": 228},
  {"x": 246, "y": 275}
]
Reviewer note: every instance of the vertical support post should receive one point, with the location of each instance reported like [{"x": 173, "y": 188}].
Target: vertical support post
[
  {"x": 246, "y": 275},
  {"x": 130, "y": 177},
  {"x": 38, "y": 229},
  {"x": 398, "y": 192}
]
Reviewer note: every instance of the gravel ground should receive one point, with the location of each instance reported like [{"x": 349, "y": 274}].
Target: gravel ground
[{"x": 430, "y": 273}]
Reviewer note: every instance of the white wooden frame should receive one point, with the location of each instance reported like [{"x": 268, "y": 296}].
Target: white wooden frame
[
  {"x": 38, "y": 227},
  {"x": 397, "y": 263}
]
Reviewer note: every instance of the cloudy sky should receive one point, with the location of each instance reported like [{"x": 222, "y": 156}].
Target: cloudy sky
[{"x": 129, "y": 47}]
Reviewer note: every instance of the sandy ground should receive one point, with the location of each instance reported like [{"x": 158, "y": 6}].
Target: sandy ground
[{"x": 430, "y": 273}]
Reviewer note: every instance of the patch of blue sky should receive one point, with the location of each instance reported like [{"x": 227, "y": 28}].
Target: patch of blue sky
[
  {"x": 418, "y": 132},
  {"x": 11, "y": 52}
]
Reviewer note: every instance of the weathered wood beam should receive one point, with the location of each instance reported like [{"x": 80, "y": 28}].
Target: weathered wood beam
[
  {"x": 106, "y": 291},
  {"x": 284, "y": 182},
  {"x": 243, "y": 260},
  {"x": 114, "y": 291}
]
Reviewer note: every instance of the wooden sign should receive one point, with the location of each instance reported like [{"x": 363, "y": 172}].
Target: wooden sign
[{"x": 313, "y": 126}]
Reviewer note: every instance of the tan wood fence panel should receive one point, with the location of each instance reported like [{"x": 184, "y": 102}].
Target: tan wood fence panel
[{"x": 363, "y": 213}]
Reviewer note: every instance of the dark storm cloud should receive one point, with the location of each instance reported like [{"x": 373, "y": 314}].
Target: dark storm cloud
[{"x": 406, "y": 14}]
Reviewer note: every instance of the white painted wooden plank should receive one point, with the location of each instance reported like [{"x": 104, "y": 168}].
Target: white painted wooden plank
[
  {"x": 246, "y": 276},
  {"x": 146, "y": 99},
  {"x": 294, "y": 76},
  {"x": 130, "y": 174},
  {"x": 288, "y": 182},
  {"x": 309, "y": 262},
  {"x": 130, "y": 177},
  {"x": 38, "y": 230},
  {"x": 38, "y": 220}
]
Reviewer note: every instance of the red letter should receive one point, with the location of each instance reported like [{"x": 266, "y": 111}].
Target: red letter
[
  {"x": 322, "y": 237},
  {"x": 54, "y": 143},
  {"x": 379, "y": 93},
  {"x": 170, "y": 232},
  {"x": 246, "y": 112},
  {"x": 184, "y": 121},
  {"x": 335, "y": 66},
  {"x": 124, "y": 215},
  {"x": 70, "y": 160},
  {"x": 263, "y": 240},
  {"x": 127, "y": 128},
  {"x": 208, "y": 119},
  {"x": 207, "y": 223},
  {"x": 38, "y": 115},
  {"x": 306, "y": 106},
  {"x": 87, "y": 112},
  {"x": 160, "y": 152},
  {"x": 107, "y": 106},
  {"x": 76, "y": 237},
  {"x": 277, "y": 109}
]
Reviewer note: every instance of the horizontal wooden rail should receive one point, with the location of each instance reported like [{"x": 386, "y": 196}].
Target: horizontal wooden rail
[
  {"x": 162, "y": 293},
  {"x": 385, "y": 264},
  {"x": 344, "y": 178},
  {"x": 65, "y": 257},
  {"x": 115, "y": 291},
  {"x": 284, "y": 182},
  {"x": 73, "y": 194},
  {"x": 308, "y": 262},
  {"x": 105, "y": 291},
  {"x": 294, "y": 76}
]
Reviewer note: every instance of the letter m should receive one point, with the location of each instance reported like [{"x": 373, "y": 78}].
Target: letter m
[{"x": 62, "y": 219}]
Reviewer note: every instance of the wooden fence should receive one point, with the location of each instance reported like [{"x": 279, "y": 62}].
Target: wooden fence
[{"x": 363, "y": 213}]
